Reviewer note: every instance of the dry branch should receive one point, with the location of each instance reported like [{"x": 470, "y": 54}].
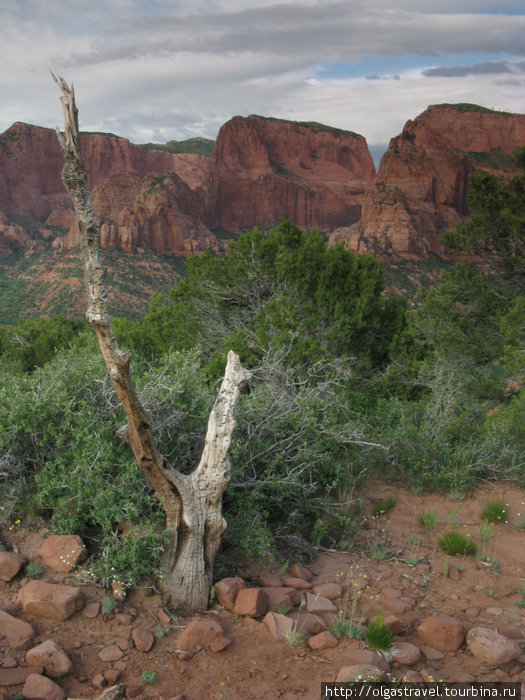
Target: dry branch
[{"x": 192, "y": 503}]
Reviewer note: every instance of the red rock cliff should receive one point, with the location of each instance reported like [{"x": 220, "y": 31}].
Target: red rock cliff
[
  {"x": 265, "y": 170},
  {"x": 31, "y": 163},
  {"x": 159, "y": 213},
  {"x": 422, "y": 181}
]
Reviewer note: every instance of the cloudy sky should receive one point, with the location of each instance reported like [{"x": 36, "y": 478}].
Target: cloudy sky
[{"x": 171, "y": 69}]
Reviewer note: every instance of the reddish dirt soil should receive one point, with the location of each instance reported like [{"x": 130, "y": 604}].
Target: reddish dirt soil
[{"x": 408, "y": 565}]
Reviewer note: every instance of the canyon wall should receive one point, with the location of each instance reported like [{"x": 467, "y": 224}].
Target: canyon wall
[
  {"x": 423, "y": 178},
  {"x": 264, "y": 170}
]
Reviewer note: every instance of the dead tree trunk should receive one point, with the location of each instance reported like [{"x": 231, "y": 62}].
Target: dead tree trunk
[{"x": 192, "y": 503}]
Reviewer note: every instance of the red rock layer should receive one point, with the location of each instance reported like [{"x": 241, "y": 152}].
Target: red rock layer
[
  {"x": 157, "y": 213},
  {"x": 31, "y": 163},
  {"x": 265, "y": 170},
  {"x": 423, "y": 178}
]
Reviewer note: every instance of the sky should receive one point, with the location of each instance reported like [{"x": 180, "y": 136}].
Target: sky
[{"x": 172, "y": 69}]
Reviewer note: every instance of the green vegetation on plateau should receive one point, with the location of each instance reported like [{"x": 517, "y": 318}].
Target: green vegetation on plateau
[{"x": 197, "y": 145}]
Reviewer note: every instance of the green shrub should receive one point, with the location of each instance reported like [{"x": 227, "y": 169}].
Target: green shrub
[
  {"x": 384, "y": 506},
  {"x": 455, "y": 544},
  {"x": 428, "y": 519},
  {"x": 378, "y": 636},
  {"x": 495, "y": 511},
  {"x": 148, "y": 677}
]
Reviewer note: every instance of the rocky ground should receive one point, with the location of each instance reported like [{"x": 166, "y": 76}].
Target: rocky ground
[{"x": 454, "y": 618}]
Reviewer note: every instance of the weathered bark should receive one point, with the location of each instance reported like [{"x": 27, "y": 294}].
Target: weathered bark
[{"x": 192, "y": 503}]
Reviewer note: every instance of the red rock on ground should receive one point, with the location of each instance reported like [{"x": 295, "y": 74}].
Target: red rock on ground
[
  {"x": 62, "y": 552},
  {"x": 323, "y": 640},
  {"x": 490, "y": 647},
  {"x": 296, "y": 582},
  {"x": 308, "y": 622},
  {"x": 17, "y": 676},
  {"x": 52, "y": 657},
  {"x": 442, "y": 633},
  {"x": 39, "y": 687},
  {"x": 17, "y": 633},
  {"x": 203, "y": 633},
  {"x": 143, "y": 639},
  {"x": 49, "y": 600},
  {"x": 279, "y": 625},
  {"x": 10, "y": 565},
  {"x": 328, "y": 590},
  {"x": 302, "y": 572},
  {"x": 226, "y": 590},
  {"x": 319, "y": 604},
  {"x": 251, "y": 601},
  {"x": 406, "y": 654}
]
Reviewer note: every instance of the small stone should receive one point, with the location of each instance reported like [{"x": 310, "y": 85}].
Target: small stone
[
  {"x": 296, "y": 582},
  {"x": 62, "y": 552},
  {"x": 393, "y": 623},
  {"x": 406, "y": 654},
  {"x": 112, "y": 675},
  {"x": 251, "y": 601},
  {"x": 227, "y": 589},
  {"x": 142, "y": 639},
  {"x": 511, "y": 632},
  {"x": 412, "y": 677},
  {"x": 38, "y": 687},
  {"x": 91, "y": 610},
  {"x": 279, "y": 625},
  {"x": 163, "y": 617},
  {"x": 99, "y": 681},
  {"x": 133, "y": 690},
  {"x": 124, "y": 619},
  {"x": 279, "y": 598},
  {"x": 267, "y": 581},
  {"x": 110, "y": 653},
  {"x": 17, "y": 632},
  {"x": 396, "y": 605},
  {"x": 318, "y": 604},
  {"x": 17, "y": 676},
  {"x": 49, "y": 600},
  {"x": 493, "y": 611},
  {"x": 123, "y": 644},
  {"x": 429, "y": 675},
  {"x": 207, "y": 634},
  {"x": 430, "y": 653},
  {"x": 323, "y": 640},
  {"x": 10, "y": 565},
  {"x": 301, "y": 572},
  {"x": 308, "y": 622},
  {"x": 488, "y": 646},
  {"x": 443, "y": 633},
  {"x": 52, "y": 657},
  {"x": 328, "y": 590},
  {"x": 9, "y": 663}
]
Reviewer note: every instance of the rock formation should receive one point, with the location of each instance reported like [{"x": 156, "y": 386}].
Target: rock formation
[
  {"x": 422, "y": 182},
  {"x": 265, "y": 170},
  {"x": 31, "y": 163},
  {"x": 160, "y": 213}
]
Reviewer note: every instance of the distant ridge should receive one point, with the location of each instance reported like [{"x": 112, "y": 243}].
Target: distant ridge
[{"x": 196, "y": 146}]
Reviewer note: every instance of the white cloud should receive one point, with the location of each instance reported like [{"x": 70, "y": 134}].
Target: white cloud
[{"x": 174, "y": 68}]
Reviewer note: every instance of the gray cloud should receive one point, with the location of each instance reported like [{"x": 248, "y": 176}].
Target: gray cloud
[
  {"x": 487, "y": 68},
  {"x": 175, "y": 68}
]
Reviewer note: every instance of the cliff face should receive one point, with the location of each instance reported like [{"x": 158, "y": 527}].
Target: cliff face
[
  {"x": 422, "y": 182},
  {"x": 265, "y": 170},
  {"x": 158, "y": 213},
  {"x": 31, "y": 163}
]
